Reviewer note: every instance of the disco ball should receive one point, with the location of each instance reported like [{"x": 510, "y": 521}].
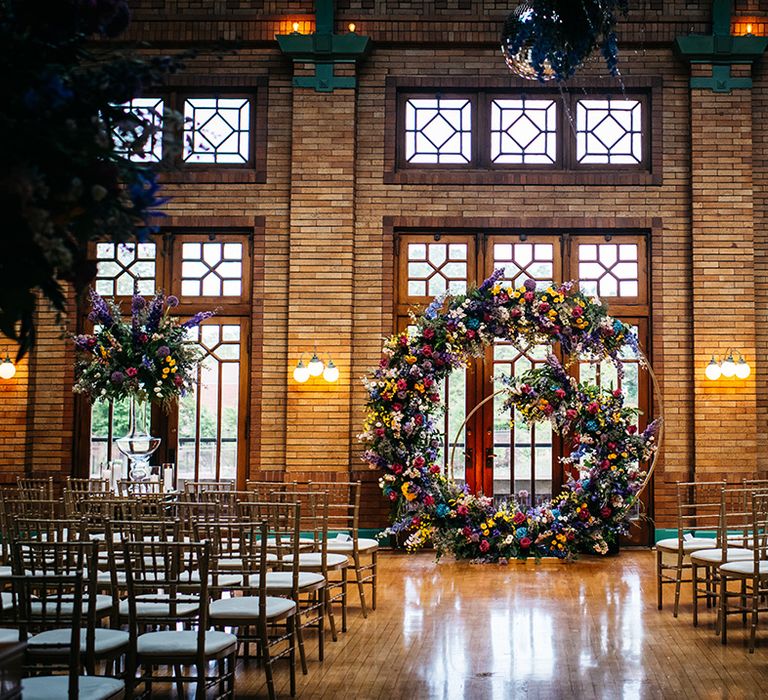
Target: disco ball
[
  {"x": 519, "y": 57},
  {"x": 520, "y": 63}
]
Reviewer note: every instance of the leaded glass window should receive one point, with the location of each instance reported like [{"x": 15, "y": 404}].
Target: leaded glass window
[
  {"x": 525, "y": 260},
  {"x": 523, "y": 131},
  {"x": 212, "y": 269},
  {"x": 139, "y": 134},
  {"x": 434, "y": 268},
  {"x": 217, "y": 130},
  {"x": 122, "y": 268},
  {"x": 609, "y": 131},
  {"x": 438, "y": 130},
  {"x": 609, "y": 269}
]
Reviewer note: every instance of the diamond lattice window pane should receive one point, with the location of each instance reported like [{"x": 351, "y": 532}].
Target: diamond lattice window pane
[
  {"x": 438, "y": 131},
  {"x": 523, "y": 131},
  {"x": 138, "y": 136},
  {"x": 122, "y": 268},
  {"x": 212, "y": 269},
  {"x": 609, "y": 269},
  {"x": 609, "y": 131},
  {"x": 522, "y": 261},
  {"x": 434, "y": 268},
  {"x": 217, "y": 130}
]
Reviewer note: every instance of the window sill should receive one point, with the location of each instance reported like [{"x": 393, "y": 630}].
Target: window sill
[
  {"x": 231, "y": 176},
  {"x": 518, "y": 177}
]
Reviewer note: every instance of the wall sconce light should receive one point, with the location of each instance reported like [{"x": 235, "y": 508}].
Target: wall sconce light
[
  {"x": 295, "y": 27},
  {"x": 7, "y": 368},
  {"x": 728, "y": 367},
  {"x": 749, "y": 29},
  {"x": 351, "y": 27},
  {"x": 315, "y": 368}
]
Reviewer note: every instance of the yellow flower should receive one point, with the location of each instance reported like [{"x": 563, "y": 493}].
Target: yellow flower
[
  {"x": 173, "y": 369},
  {"x": 496, "y": 289},
  {"x": 405, "y": 488},
  {"x": 410, "y": 359},
  {"x": 168, "y": 358},
  {"x": 419, "y": 387},
  {"x": 612, "y": 455},
  {"x": 552, "y": 313}
]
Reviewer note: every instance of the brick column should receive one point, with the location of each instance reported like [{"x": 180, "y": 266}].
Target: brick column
[
  {"x": 320, "y": 285},
  {"x": 723, "y": 277}
]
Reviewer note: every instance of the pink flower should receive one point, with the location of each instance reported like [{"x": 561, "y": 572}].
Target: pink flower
[
  {"x": 419, "y": 419},
  {"x": 426, "y": 350},
  {"x": 418, "y": 462},
  {"x": 402, "y": 385},
  {"x": 528, "y": 296},
  {"x": 470, "y": 334},
  {"x": 571, "y": 413},
  {"x": 485, "y": 545},
  {"x": 396, "y": 407},
  {"x": 434, "y": 469},
  {"x": 177, "y": 380},
  {"x": 593, "y": 407},
  {"x": 632, "y": 429},
  {"x": 397, "y": 468},
  {"x": 429, "y": 333},
  {"x": 544, "y": 306},
  {"x": 393, "y": 495},
  {"x": 515, "y": 313},
  {"x": 606, "y": 511},
  {"x": 560, "y": 393},
  {"x": 518, "y": 518},
  {"x": 131, "y": 371},
  {"x": 525, "y": 542},
  {"x": 577, "y": 311},
  {"x": 428, "y": 382},
  {"x": 462, "y": 510},
  {"x": 429, "y": 500},
  {"x": 379, "y": 432},
  {"x": 467, "y": 532}
]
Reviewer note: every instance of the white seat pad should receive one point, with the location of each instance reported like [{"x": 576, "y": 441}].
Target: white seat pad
[
  {"x": 183, "y": 643},
  {"x": 106, "y": 640},
  {"x": 714, "y": 556},
  {"x": 89, "y": 688},
  {"x": 6, "y": 600},
  {"x": 8, "y": 635},
  {"x": 105, "y": 578},
  {"x": 363, "y": 545},
  {"x": 313, "y": 560},
  {"x": 103, "y": 605},
  {"x": 158, "y": 606},
  {"x": 5, "y": 571},
  {"x": 694, "y": 545},
  {"x": 246, "y": 608},
  {"x": 283, "y": 580},
  {"x": 745, "y": 568}
]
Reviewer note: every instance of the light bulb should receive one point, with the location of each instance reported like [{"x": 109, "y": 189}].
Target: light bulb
[
  {"x": 316, "y": 366},
  {"x": 296, "y": 27},
  {"x": 7, "y": 368},
  {"x": 301, "y": 373},
  {"x": 352, "y": 27},
  {"x": 713, "y": 370},
  {"x": 749, "y": 29},
  {"x": 331, "y": 372},
  {"x": 728, "y": 367},
  {"x": 743, "y": 369}
]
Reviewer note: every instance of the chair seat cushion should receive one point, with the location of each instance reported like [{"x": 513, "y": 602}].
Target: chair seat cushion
[
  {"x": 175, "y": 644},
  {"x": 312, "y": 561},
  {"x": 363, "y": 545},
  {"x": 693, "y": 545},
  {"x": 6, "y": 600},
  {"x": 8, "y": 635},
  {"x": 282, "y": 581},
  {"x": 246, "y": 608},
  {"x": 715, "y": 556},
  {"x": 105, "y": 641},
  {"x": 103, "y": 606},
  {"x": 158, "y": 606},
  {"x": 745, "y": 568},
  {"x": 104, "y": 578},
  {"x": 5, "y": 571},
  {"x": 89, "y": 687}
]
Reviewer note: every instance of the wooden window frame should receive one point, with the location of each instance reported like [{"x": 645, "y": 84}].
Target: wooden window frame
[{"x": 566, "y": 170}]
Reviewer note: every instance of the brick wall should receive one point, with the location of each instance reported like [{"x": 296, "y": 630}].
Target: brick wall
[{"x": 328, "y": 256}]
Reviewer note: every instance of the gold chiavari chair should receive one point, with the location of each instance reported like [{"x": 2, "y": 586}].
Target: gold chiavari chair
[
  {"x": 732, "y": 536},
  {"x": 752, "y": 574},
  {"x": 159, "y": 577},
  {"x": 192, "y": 512},
  {"x": 35, "y": 488},
  {"x": 50, "y": 610},
  {"x": 261, "y": 490},
  {"x": 77, "y": 489},
  {"x": 698, "y": 511},
  {"x": 51, "y": 618},
  {"x": 344, "y": 518},
  {"x": 128, "y": 487},
  {"x": 272, "y": 617}
]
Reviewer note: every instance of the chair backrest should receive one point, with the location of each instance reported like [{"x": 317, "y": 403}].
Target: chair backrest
[
  {"x": 49, "y": 530},
  {"x": 172, "y": 573},
  {"x": 759, "y": 527},
  {"x": 343, "y": 504},
  {"x": 261, "y": 490},
  {"x": 313, "y": 510},
  {"x": 46, "y": 599},
  {"x": 735, "y": 525},
  {"x": 196, "y": 488},
  {"x": 36, "y": 487},
  {"x": 698, "y": 507},
  {"x": 192, "y": 512},
  {"x": 83, "y": 486},
  {"x": 128, "y": 487},
  {"x": 29, "y": 508}
]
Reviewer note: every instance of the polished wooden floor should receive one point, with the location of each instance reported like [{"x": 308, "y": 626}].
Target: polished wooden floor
[{"x": 584, "y": 630}]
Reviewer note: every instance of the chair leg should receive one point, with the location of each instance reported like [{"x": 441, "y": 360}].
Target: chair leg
[
  {"x": 267, "y": 662},
  {"x": 329, "y": 611},
  {"x": 179, "y": 682},
  {"x": 360, "y": 586},
  {"x": 678, "y": 582},
  {"x": 374, "y": 569},
  {"x": 695, "y": 588},
  {"x": 659, "y": 583},
  {"x": 320, "y": 623},
  {"x": 300, "y": 639},
  {"x": 723, "y": 608},
  {"x": 344, "y": 599},
  {"x": 744, "y": 601},
  {"x": 291, "y": 624},
  {"x": 755, "y": 605}
]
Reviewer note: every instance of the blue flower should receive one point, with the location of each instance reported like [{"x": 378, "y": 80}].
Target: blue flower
[
  {"x": 473, "y": 323},
  {"x": 521, "y": 532},
  {"x": 442, "y": 510}
]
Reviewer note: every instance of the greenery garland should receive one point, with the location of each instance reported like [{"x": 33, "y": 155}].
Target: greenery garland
[{"x": 402, "y": 440}]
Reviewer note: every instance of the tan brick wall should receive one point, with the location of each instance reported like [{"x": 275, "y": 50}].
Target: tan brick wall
[{"x": 328, "y": 260}]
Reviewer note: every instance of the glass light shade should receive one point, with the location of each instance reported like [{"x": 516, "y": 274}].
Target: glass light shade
[
  {"x": 743, "y": 369},
  {"x": 713, "y": 370},
  {"x": 301, "y": 373},
  {"x": 728, "y": 367},
  {"x": 331, "y": 372},
  {"x": 316, "y": 366},
  {"x": 7, "y": 368}
]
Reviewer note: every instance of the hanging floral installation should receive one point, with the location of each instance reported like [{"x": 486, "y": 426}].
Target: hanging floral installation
[
  {"x": 550, "y": 39},
  {"x": 148, "y": 357},
  {"x": 608, "y": 453}
]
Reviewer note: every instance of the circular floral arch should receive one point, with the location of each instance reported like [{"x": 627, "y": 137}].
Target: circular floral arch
[{"x": 608, "y": 452}]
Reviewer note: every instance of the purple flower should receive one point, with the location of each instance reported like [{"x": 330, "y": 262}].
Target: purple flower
[
  {"x": 172, "y": 301},
  {"x": 117, "y": 377},
  {"x": 137, "y": 303},
  {"x": 100, "y": 312},
  {"x": 155, "y": 313},
  {"x": 163, "y": 350},
  {"x": 197, "y": 319},
  {"x": 495, "y": 277},
  {"x": 530, "y": 285}
]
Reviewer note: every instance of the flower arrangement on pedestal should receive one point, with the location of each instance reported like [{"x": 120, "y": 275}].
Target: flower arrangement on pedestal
[
  {"x": 145, "y": 358},
  {"x": 608, "y": 452}
]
